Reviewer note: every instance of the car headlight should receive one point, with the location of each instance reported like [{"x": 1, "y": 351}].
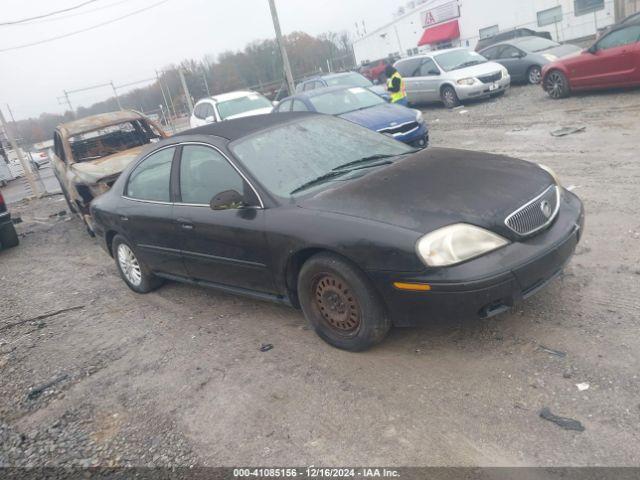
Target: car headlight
[
  {"x": 552, "y": 173},
  {"x": 551, "y": 58},
  {"x": 466, "y": 81},
  {"x": 505, "y": 72},
  {"x": 457, "y": 243},
  {"x": 419, "y": 117}
]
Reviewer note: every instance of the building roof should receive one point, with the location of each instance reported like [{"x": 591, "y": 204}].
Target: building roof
[
  {"x": 242, "y": 127},
  {"x": 95, "y": 122}
]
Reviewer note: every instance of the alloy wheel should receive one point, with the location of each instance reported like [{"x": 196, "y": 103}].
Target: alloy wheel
[
  {"x": 449, "y": 96},
  {"x": 556, "y": 85},
  {"x": 337, "y": 304},
  {"x": 129, "y": 265},
  {"x": 535, "y": 75}
]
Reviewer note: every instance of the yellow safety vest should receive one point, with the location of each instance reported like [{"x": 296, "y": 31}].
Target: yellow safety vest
[{"x": 397, "y": 96}]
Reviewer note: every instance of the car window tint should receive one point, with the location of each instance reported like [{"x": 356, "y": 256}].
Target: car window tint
[
  {"x": 299, "y": 106},
  {"x": 408, "y": 68},
  {"x": 204, "y": 172},
  {"x": 620, "y": 38},
  {"x": 490, "y": 53},
  {"x": 151, "y": 179},
  {"x": 507, "y": 51},
  {"x": 285, "y": 106},
  {"x": 428, "y": 68}
]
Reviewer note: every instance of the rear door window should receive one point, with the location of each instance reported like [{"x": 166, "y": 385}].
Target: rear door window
[
  {"x": 151, "y": 179},
  {"x": 409, "y": 67},
  {"x": 299, "y": 106},
  {"x": 285, "y": 106},
  {"x": 490, "y": 53},
  {"x": 428, "y": 68}
]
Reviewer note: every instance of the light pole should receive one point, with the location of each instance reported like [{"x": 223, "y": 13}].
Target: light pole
[
  {"x": 283, "y": 51},
  {"x": 23, "y": 161}
]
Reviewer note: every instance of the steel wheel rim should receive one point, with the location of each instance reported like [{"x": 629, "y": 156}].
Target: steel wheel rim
[
  {"x": 535, "y": 75},
  {"x": 129, "y": 265},
  {"x": 336, "y": 304},
  {"x": 556, "y": 85},
  {"x": 449, "y": 96}
]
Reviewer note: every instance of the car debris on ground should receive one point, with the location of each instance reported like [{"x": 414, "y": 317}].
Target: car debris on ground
[{"x": 562, "y": 422}]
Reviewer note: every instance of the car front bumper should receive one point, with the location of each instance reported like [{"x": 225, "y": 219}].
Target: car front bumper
[
  {"x": 418, "y": 138},
  {"x": 490, "y": 284},
  {"x": 481, "y": 90}
]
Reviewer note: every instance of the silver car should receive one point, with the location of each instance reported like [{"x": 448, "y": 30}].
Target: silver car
[
  {"x": 524, "y": 57},
  {"x": 450, "y": 76}
]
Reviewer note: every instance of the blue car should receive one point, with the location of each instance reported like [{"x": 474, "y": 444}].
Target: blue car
[
  {"x": 361, "y": 106},
  {"x": 345, "y": 79}
]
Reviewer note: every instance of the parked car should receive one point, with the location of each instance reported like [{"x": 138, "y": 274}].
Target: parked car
[
  {"x": 228, "y": 106},
  {"x": 524, "y": 57},
  {"x": 8, "y": 235},
  {"x": 90, "y": 153},
  {"x": 38, "y": 159},
  {"x": 612, "y": 62},
  {"x": 5, "y": 173},
  {"x": 375, "y": 71},
  {"x": 452, "y": 75},
  {"x": 360, "y": 231},
  {"x": 346, "y": 79},
  {"x": 360, "y": 105},
  {"x": 510, "y": 35}
]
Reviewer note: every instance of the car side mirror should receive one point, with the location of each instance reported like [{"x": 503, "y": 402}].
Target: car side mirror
[
  {"x": 210, "y": 119},
  {"x": 592, "y": 49},
  {"x": 227, "y": 200},
  {"x": 275, "y": 103},
  {"x": 434, "y": 72}
]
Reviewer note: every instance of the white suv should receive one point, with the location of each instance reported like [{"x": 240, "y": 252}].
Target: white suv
[{"x": 228, "y": 106}]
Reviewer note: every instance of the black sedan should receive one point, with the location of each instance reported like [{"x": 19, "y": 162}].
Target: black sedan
[{"x": 360, "y": 231}]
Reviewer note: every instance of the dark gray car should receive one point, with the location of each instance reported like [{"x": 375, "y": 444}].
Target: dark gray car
[{"x": 524, "y": 57}]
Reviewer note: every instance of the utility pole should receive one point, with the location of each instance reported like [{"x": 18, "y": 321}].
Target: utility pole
[
  {"x": 283, "y": 51},
  {"x": 115, "y": 92},
  {"x": 186, "y": 90},
  {"x": 66, "y": 96},
  {"x": 27, "y": 171}
]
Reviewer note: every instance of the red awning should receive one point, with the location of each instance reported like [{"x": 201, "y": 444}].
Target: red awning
[{"x": 440, "y": 33}]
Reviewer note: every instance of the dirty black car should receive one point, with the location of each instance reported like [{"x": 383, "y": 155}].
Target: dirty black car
[
  {"x": 358, "y": 230},
  {"x": 8, "y": 235}
]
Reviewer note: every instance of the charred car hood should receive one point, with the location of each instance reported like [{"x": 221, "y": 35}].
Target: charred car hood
[
  {"x": 92, "y": 171},
  {"x": 437, "y": 187}
]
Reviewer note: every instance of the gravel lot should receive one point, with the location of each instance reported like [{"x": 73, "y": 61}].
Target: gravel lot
[{"x": 177, "y": 377}]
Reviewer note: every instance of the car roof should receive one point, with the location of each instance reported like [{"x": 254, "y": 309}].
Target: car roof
[
  {"x": 242, "y": 127},
  {"x": 223, "y": 97},
  {"x": 514, "y": 41},
  {"x": 100, "y": 120},
  {"x": 434, "y": 52},
  {"x": 320, "y": 91}
]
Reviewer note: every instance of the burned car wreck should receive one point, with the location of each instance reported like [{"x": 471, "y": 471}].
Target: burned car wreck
[{"x": 90, "y": 154}]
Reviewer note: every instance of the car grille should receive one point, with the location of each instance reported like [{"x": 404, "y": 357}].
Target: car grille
[
  {"x": 399, "y": 129},
  {"x": 491, "y": 78},
  {"x": 537, "y": 214}
]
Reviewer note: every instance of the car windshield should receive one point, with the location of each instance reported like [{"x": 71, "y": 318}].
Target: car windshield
[
  {"x": 237, "y": 106},
  {"x": 112, "y": 139},
  {"x": 536, "y": 44},
  {"x": 338, "y": 102},
  {"x": 293, "y": 155},
  {"x": 459, "y": 59},
  {"x": 348, "y": 80}
]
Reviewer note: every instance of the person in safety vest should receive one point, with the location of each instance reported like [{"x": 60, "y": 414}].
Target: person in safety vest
[{"x": 396, "y": 86}]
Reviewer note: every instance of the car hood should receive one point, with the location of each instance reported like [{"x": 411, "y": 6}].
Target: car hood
[
  {"x": 93, "y": 171},
  {"x": 562, "y": 51},
  {"x": 381, "y": 116},
  {"x": 379, "y": 90},
  {"x": 437, "y": 187},
  {"x": 251, "y": 113},
  {"x": 487, "y": 68}
]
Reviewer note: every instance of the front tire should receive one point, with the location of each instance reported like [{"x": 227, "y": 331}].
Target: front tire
[
  {"x": 134, "y": 273},
  {"x": 534, "y": 75},
  {"x": 449, "y": 97},
  {"x": 341, "y": 303},
  {"x": 556, "y": 85},
  {"x": 8, "y": 237}
]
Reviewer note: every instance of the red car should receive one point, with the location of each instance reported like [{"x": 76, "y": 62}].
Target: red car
[
  {"x": 375, "y": 70},
  {"x": 613, "y": 61}
]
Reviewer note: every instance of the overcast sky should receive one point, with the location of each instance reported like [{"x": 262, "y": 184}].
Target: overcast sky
[{"x": 133, "y": 48}]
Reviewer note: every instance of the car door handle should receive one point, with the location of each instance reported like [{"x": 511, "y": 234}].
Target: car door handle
[
  {"x": 124, "y": 218},
  {"x": 185, "y": 224}
]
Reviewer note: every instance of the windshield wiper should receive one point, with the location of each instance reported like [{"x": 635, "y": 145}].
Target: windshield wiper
[
  {"x": 468, "y": 64},
  {"x": 371, "y": 158},
  {"x": 319, "y": 180}
]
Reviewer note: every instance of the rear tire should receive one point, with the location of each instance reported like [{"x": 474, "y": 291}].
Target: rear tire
[
  {"x": 556, "y": 85},
  {"x": 341, "y": 303},
  {"x": 134, "y": 273},
  {"x": 449, "y": 97},
  {"x": 534, "y": 75},
  {"x": 8, "y": 237}
]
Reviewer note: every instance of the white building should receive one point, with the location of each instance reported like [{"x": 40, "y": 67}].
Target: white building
[{"x": 433, "y": 24}]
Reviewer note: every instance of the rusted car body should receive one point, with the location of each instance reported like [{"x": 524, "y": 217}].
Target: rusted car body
[{"x": 90, "y": 154}]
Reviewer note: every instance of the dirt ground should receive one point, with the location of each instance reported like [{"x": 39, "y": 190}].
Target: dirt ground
[{"x": 177, "y": 377}]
